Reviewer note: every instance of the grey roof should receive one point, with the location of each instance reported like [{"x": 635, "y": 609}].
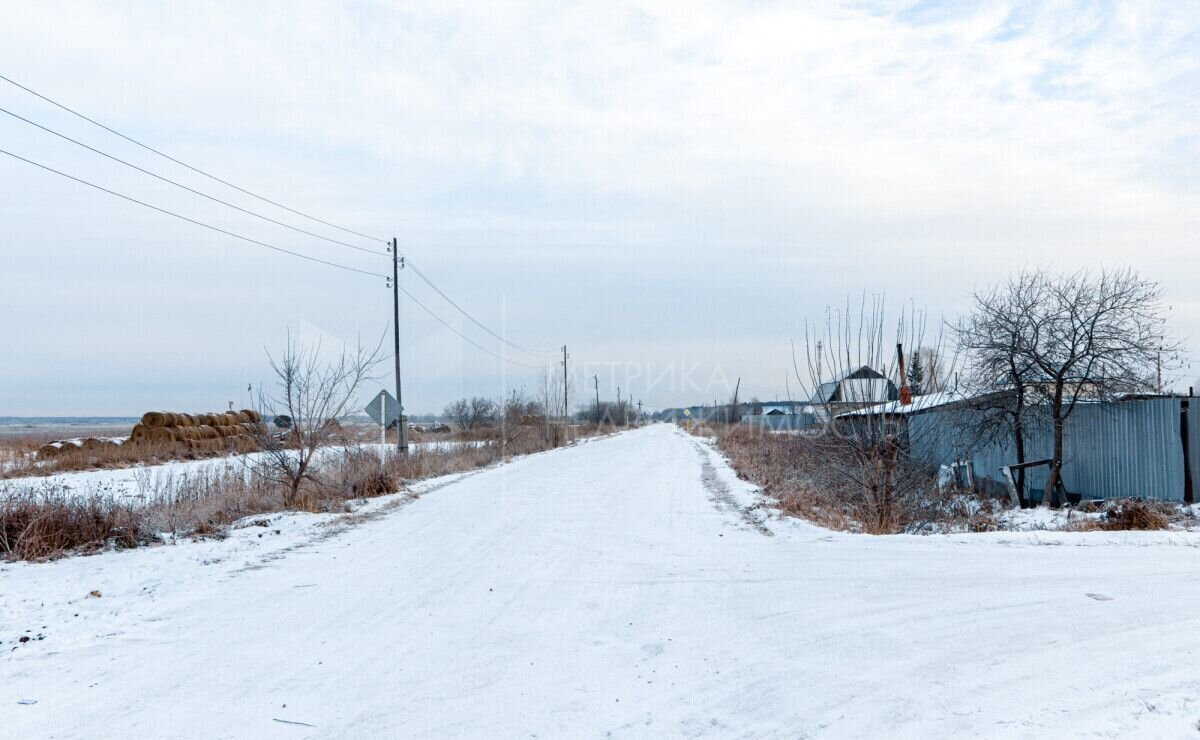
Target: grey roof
[{"x": 826, "y": 390}]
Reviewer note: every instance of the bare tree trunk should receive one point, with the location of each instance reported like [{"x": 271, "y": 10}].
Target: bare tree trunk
[
  {"x": 1019, "y": 437},
  {"x": 1019, "y": 441},
  {"x": 1057, "y": 456}
]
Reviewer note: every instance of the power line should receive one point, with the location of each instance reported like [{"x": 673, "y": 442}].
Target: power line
[
  {"x": 475, "y": 321},
  {"x": 181, "y": 163},
  {"x": 240, "y": 189},
  {"x": 262, "y": 244},
  {"x": 191, "y": 220},
  {"x": 464, "y": 336},
  {"x": 185, "y": 187}
]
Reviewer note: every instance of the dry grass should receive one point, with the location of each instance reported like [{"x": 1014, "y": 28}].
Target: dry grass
[
  {"x": 35, "y": 527},
  {"x": 1132, "y": 514},
  {"x": 805, "y": 476}
]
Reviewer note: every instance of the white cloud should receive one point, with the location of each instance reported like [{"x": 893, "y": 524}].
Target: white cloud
[{"x": 923, "y": 150}]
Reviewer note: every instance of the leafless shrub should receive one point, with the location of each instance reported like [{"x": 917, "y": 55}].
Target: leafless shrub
[
  {"x": 472, "y": 413},
  {"x": 853, "y": 362},
  {"x": 318, "y": 394}
]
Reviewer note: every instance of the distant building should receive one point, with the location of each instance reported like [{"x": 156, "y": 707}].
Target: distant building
[
  {"x": 779, "y": 408},
  {"x": 853, "y": 389}
]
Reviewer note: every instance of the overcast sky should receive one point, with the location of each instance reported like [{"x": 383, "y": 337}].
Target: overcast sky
[{"x": 671, "y": 188}]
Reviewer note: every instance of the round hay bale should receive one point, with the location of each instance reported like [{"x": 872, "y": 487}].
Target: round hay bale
[
  {"x": 185, "y": 420},
  {"x": 162, "y": 435},
  {"x": 91, "y": 443},
  {"x": 139, "y": 431},
  {"x": 154, "y": 419},
  {"x": 68, "y": 447},
  {"x": 46, "y": 452},
  {"x": 252, "y": 415}
]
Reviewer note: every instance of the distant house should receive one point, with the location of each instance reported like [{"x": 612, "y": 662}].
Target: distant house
[
  {"x": 853, "y": 389},
  {"x": 779, "y": 408}
]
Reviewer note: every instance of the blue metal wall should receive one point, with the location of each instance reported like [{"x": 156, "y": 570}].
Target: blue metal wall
[{"x": 1127, "y": 449}]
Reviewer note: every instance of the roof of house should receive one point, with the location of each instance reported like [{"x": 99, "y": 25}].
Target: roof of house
[
  {"x": 826, "y": 390},
  {"x": 919, "y": 403}
]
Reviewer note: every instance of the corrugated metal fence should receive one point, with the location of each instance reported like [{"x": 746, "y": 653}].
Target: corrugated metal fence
[{"x": 1125, "y": 449}]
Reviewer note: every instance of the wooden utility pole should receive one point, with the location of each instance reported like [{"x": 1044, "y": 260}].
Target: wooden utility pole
[
  {"x": 566, "y": 408},
  {"x": 620, "y": 413},
  {"x": 596, "y": 382},
  {"x": 639, "y": 419},
  {"x": 397, "y": 263}
]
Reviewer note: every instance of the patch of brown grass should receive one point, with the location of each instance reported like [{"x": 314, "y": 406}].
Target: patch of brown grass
[
  {"x": 814, "y": 479},
  {"x": 39, "y": 527},
  {"x": 1135, "y": 514}
]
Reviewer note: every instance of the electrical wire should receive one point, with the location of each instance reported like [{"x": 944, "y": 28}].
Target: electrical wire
[
  {"x": 465, "y": 338},
  {"x": 475, "y": 321},
  {"x": 185, "y": 187},
  {"x": 181, "y": 163},
  {"x": 226, "y": 232},
  {"x": 264, "y": 199},
  {"x": 180, "y": 216}
]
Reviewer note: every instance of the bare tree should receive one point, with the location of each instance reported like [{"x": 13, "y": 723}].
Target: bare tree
[
  {"x": 1054, "y": 340},
  {"x": 550, "y": 396},
  {"x": 519, "y": 413},
  {"x": 849, "y": 363},
  {"x": 471, "y": 413},
  {"x": 317, "y": 393},
  {"x": 1092, "y": 336},
  {"x": 998, "y": 372}
]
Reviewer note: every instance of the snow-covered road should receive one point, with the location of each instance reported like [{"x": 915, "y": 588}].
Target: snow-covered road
[{"x": 622, "y": 587}]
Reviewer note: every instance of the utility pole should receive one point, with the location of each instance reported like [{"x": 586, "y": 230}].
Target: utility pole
[
  {"x": 566, "y": 408},
  {"x": 397, "y": 263},
  {"x": 620, "y": 413},
  {"x": 639, "y": 419},
  {"x": 596, "y": 381}
]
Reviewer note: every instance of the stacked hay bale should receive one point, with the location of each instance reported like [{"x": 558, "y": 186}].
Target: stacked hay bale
[
  {"x": 54, "y": 449},
  {"x": 91, "y": 444},
  {"x": 200, "y": 432}
]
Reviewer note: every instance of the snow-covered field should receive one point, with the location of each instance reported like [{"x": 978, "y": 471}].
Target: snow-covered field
[
  {"x": 627, "y": 587},
  {"x": 143, "y": 483}
]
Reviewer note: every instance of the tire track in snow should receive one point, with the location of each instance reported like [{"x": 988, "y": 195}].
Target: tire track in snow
[{"x": 722, "y": 496}]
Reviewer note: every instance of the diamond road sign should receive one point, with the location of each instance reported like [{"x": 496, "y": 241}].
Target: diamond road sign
[{"x": 384, "y": 408}]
